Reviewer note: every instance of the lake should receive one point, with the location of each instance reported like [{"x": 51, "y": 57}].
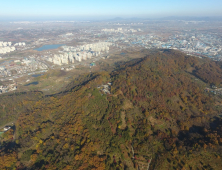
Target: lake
[
  {"x": 34, "y": 83},
  {"x": 49, "y": 47}
]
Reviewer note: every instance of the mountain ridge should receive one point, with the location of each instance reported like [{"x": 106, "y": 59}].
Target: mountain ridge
[{"x": 148, "y": 110}]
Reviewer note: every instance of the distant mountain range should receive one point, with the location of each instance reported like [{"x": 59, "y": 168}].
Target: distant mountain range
[
  {"x": 190, "y": 18},
  {"x": 176, "y": 18}
]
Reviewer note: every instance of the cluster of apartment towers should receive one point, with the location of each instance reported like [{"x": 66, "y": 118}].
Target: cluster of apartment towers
[
  {"x": 6, "y": 47},
  {"x": 79, "y": 53}
]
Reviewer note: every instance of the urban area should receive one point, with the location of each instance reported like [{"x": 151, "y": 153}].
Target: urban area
[{"x": 34, "y": 48}]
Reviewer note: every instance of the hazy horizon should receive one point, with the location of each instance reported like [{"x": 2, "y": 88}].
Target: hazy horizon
[
  {"x": 108, "y": 9},
  {"x": 73, "y": 18}
]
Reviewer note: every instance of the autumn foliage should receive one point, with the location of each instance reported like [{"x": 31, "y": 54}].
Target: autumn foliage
[{"x": 155, "y": 106}]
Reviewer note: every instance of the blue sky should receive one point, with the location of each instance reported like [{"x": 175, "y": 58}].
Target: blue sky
[{"x": 109, "y": 8}]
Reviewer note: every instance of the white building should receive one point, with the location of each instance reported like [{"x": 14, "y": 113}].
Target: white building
[{"x": 6, "y": 128}]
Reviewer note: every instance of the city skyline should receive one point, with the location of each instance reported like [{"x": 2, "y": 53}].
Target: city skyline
[{"x": 105, "y": 9}]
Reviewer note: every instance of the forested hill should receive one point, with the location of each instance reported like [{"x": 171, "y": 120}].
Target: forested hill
[{"x": 150, "y": 112}]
